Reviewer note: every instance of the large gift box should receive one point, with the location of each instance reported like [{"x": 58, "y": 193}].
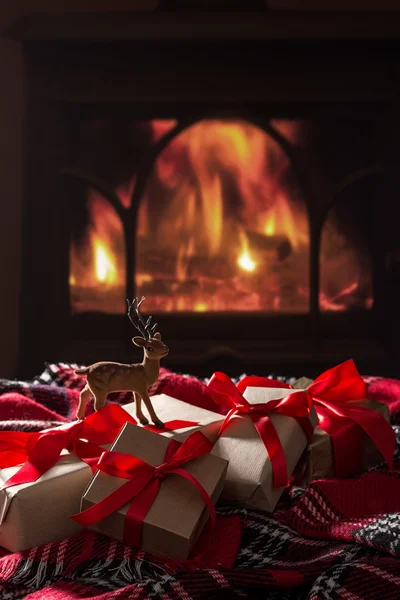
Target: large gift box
[
  {"x": 153, "y": 492},
  {"x": 263, "y": 437},
  {"x": 36, "y": 502},
  {"x": 180, "y": 418},
  {"x": 38, "y": 498},
  {"x": 353, "y": 433}
]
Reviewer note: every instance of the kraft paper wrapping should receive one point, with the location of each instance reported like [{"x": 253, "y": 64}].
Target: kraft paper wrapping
[
  {"x": 170, "y": 409},
  {"x": 178, "y": 514},
  {"x": 317, "y": 461},
  {"x": 38, "y": 513},
  {"x": 249, "y": 479}
]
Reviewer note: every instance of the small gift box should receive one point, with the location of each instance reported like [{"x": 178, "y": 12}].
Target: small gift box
[
  {"x": 38, "y": 498},
  {"x": 181, "y": 419},
  {"x": 263, "y": 436},
  {"x": 154, "y": 493},
  {"x": 353, "y": 433}
]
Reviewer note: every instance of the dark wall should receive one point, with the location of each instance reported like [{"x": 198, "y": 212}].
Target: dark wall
[
  {"x": 12, "y": 146},
  {"x": 11, "y": 149}
]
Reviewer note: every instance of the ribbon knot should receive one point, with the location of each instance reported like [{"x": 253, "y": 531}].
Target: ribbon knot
[
  {"x": 296, "y": 405},
  {"x": 143, "y": 484},
  {"x": 40, "y": 451},
  {"x": 161, "y": 471},
  {"x": 336, "y": 394},
  {"x": 246, "y": 409}
]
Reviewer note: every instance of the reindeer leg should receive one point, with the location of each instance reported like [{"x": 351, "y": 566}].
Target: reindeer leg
[
  {"x": 139, "y": 413},
  {"x": 146, "y": 399},
  {"x": 100, "y": 397},
  {"x": 83, "y": 398}
]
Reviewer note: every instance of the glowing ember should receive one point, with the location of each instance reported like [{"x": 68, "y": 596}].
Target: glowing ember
[
  {"x": 200, "y": 307},
  {"x": 246, "y": 263}
]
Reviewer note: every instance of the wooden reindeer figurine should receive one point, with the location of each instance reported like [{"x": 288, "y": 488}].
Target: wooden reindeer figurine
[{"x": 106, "y": 377}]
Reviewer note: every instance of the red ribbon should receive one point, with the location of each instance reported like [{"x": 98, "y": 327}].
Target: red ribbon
[
  {"x": 297, "y": 405},
  {"x": 172, "y": 426},
  {"x": 40, "y": 451},
  {"x": 143, "y": 484},
  {"x": 334, "y": 393}
]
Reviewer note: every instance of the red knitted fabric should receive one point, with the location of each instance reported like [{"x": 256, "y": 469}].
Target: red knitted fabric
[{"x": 336, "y": 539}]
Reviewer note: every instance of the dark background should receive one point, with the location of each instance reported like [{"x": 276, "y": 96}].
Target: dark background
[{"x": 12, "y": 111}]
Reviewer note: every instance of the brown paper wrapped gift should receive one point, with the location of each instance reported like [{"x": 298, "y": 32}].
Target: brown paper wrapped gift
[
  {"x": 39, "y": 512},
  {"x": 249, "y": 478},
  {"x": 178, "y": 512},
  {"x": 174, "y": 413},
  {"x": 317, "y": 461}
]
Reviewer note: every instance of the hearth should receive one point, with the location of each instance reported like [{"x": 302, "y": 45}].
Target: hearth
[
  {"x": 221, "y": 223},
  {"x": 253, "y": 211}
]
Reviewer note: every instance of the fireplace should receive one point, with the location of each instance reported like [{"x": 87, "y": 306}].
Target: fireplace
[
  {"x": 253, "y": 212},
  {"x": 221, "y": 224}
]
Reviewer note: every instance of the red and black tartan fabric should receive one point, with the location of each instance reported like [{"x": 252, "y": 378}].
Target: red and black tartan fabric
[{"x": 336, "y": 539}]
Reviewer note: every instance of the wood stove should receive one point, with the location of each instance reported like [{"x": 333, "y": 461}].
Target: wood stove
[{"x": 245, "y": 187}]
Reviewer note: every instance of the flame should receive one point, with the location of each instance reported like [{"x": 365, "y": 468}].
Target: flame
[
  {"x": 213, "y": 209},
  {"x": 161, "y": 126},
  {"x": 343, "y": 300},
  {"x": 105, "y": 269},
  {"x": 245, "y": 261},
  {"x": 269, "y": 228},
  {"x": 100, "y": 261},
  {"x": 185, "y": 253},
  {"x": 282, "y": 220},
  {"x": 200, "y": 307}
]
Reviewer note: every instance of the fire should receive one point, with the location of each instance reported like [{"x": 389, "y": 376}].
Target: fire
[
  {"x": 104, "y": 263},
  {"x": 282, "y": 220},
  {"x": 270, "y": 226},
  {"x": 97, "y": 267},
  {"x": 245, "y": 261},
  {"x": 161, "y": 126},
  {"x": 200, "y": 307},
  {"x": 221, "y": 204},
  {"x": 185, "y": 253}
]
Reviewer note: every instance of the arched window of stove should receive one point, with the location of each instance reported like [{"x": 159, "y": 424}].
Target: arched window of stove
[
  {"x": 269, "y": 248},
  {"x": 346, "y": 249}
]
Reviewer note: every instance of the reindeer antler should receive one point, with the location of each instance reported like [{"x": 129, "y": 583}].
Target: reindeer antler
[{"x": 146, "y": 328}]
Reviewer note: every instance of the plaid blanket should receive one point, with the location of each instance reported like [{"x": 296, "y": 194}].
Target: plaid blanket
[{"x": 335, "y": 539}]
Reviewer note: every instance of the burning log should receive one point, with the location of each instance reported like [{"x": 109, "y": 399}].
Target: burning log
[{"x": 270, "y": 243}]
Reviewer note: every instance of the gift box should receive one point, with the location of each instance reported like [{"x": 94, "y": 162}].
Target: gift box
[
  {"x": 37, "y": 513},
  {"x": 262, "y": 437},
  {"x": 181, "y": 419},
  {"x": 154, "y": 492},
  {"x": 342, "y": 445},
  {"x": 38, "y": 498}
]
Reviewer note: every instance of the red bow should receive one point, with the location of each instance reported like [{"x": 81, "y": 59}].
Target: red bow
[
  {"x": 144, "y": 484},
  {"x": 297, "y": 405},
  {"x": 334, "y": 393},
  {"x": 40, "y": 451}
]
